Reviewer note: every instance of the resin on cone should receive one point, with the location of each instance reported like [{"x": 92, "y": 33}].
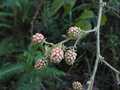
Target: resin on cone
[
  {"x": 56, "y": 55},
  {"x": 70, "y": 57},
  {"x": 38, "y": 38},
  {"x": 77, "y": 85},
  {"x": 41, "y": 64},
  {"x": 73, "y": 31}
]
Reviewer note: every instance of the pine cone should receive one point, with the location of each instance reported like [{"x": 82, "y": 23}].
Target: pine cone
[
  {"x": 38, "y": 38},
  {"x": 56, "y": 55},
  {"x": 70, "y": 57}
]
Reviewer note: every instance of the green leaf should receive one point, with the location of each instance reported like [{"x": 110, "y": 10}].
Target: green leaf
[
  {"x": 86, "y": 15},
  {"x": 42, "y": 86},
  {"x": 7, "y": 46},
  {"x": 27, "y": 68},
  {"x": 85, "y": 6},
  {"x": 56, "y": 72},
  {"x": 6, "y": 14},
  {"x": 5, "y": 25},
  {"x": 70, "y": 2},
  {"x": 84, "y": 25},
  {"x": 67, "y": 9},
  {"x": 68, "y": 6},
  {"x": 18, "y": 4},
  {"x": 56, "y": 5},
  {"x": 12, "y": 3},
  {"x": 103, "y": 20}
]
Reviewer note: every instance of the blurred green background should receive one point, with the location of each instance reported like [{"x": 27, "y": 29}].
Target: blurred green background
[{"x": 20, "y": 19}]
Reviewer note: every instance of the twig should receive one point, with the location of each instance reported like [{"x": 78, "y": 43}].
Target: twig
[
  {"x": 115, "y": 11},
  {"x": 91, "y": 81},
  {"x": 115, "y": 70},
  {"x": 75, "y": 63},
  {"x": 34, "y": 17},
  {"x": 75, "y": 45},
  {"x": 82, "y": 32},
  {"x": 91, "y": 30},
  {"x": 64, "y": 41},
  {"x": 48, "y": 43},
  {"x": 98, "y": 56}
]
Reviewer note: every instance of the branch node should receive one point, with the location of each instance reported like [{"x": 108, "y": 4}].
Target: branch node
[
  {"x": 101, "y": 57},
  {"x": 95, "y": 28},
  {"x": 103, "y": 4},
  {"x": 89, "y": 82}
]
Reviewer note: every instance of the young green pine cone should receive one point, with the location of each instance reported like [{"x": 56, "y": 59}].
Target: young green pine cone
[
  {"x": 41, "y": 64},
  {"x": 70, "y": 57},
  {"x": 77, "y": 85},
  {"x": 56, "y": 55},
  {"x": 73, "y": 31},
  {"x": 38, "y": 38}
]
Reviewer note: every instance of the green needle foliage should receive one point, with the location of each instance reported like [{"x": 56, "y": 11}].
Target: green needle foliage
[{"x": 9, "y": 71}]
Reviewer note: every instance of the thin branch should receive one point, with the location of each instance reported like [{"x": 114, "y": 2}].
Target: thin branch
[
  {"x": 94, "y": 30},
  {"x": 98, "y": 56},
  {"x": 115, "y": 11},
  {"x": 82, "y": 32},
  {"x": 91, "y": 81},
  {"x": 48, "y": 43},
  {"x": 64, "y": 41},
  {"x": 75, "y": 45},
  {"x": 34, "y": 17},
  {"x": 115, "y": 70},
  {"x": 76, "y": 62}
]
